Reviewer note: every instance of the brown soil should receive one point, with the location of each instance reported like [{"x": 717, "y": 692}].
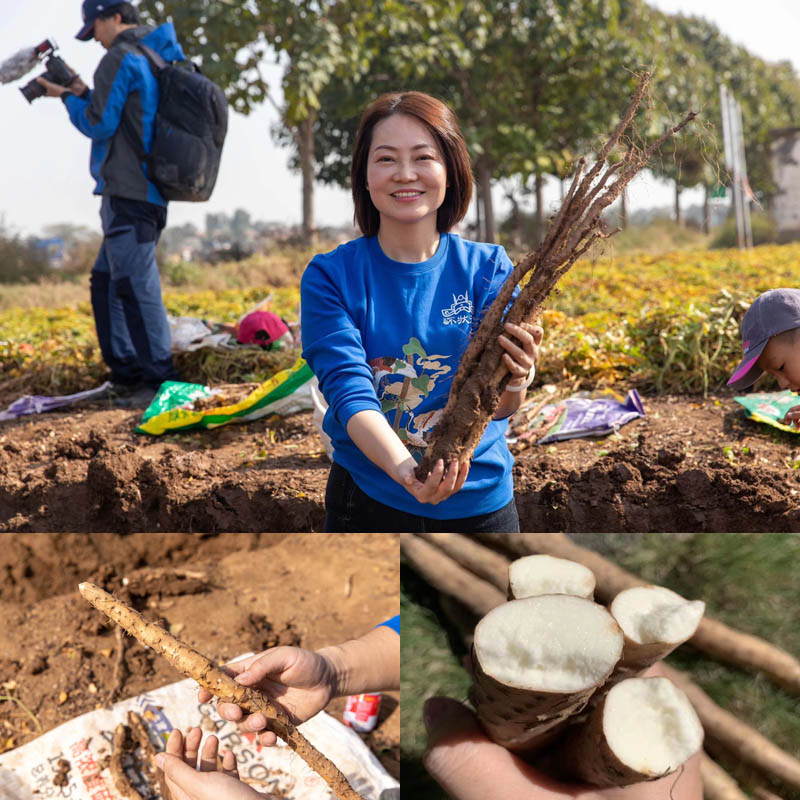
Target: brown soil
[
  {"x": 233, "y": 593},
  {"x": 690, "y": 465}
]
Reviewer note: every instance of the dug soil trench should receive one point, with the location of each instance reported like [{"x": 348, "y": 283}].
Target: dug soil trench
[
  {"x": 224, "y": 595},
  {"x": 690, "y": 465}
]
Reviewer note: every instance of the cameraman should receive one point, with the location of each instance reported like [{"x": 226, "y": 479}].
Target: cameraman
[{"x": 118, "y": 116}]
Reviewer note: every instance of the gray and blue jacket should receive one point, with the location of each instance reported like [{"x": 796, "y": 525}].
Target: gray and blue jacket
[{"x": 118, "y": 115}]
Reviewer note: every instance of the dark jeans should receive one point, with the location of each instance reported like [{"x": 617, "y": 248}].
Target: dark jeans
[
  {"x": 129, "y": 314},
  {"x": 349, "y": 510}
]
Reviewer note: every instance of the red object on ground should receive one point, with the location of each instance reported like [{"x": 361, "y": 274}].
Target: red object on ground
[
  {"x": 361, "y": 712},
  {"x": 261, "y": 327}
]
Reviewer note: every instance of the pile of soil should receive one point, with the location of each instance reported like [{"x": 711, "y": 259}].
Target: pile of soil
[
  {"x": 690, "y": 465},
  {"x": 223, "y": 595}
]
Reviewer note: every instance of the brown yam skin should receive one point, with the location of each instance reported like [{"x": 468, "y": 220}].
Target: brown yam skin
[
  {"x": 522, "y": 720},
  {"x": 201, "y": 669},
  {"x": 584, "y": 755}
]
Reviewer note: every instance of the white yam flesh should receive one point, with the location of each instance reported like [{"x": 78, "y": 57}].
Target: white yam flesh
[
  {"x": 650, "y": 725},
  {"x": 549, "y": 643},
  {"x": 542, "y": 574},
  {"x": 649, "y": 614}
]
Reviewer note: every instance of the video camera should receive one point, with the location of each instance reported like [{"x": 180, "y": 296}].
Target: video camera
[{"x": 56, "y": 71}]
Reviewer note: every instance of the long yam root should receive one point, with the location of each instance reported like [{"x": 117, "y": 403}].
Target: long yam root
[{"x": 201, "y": 669}]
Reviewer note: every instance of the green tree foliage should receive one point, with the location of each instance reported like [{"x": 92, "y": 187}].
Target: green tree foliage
[{"x": 20, "y": 261}]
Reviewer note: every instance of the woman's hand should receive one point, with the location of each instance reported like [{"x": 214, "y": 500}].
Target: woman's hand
[
  {"x": 439, "y": 484},
  {"x": 300, "y": 681},
  {"x": 519, "y": 359},
  {"x": 521, "y": 355},
  {"x": 207, "y": 780},
  {"x": 469, "y": 766}
]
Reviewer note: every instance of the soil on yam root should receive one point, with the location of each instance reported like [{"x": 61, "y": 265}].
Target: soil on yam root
[
  {"x": 60, "y": 657},
  {"x": 690, "y": 465}
]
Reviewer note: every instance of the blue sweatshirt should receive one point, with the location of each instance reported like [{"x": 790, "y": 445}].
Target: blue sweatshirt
[
  {"x": 118, "y": 115},
  {"x": 388, "y": 336}
]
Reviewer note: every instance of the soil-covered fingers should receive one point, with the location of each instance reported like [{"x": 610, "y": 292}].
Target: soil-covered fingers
[
  {"x": 229, "y": 765},
  {"x": 442, "y": 484},
  {"x": 208, "y": 758}
]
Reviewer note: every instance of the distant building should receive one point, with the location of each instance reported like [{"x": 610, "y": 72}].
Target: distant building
[{"x": 786, "y": 174}]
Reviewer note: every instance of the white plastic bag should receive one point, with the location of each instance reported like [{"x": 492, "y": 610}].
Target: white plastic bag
[{"x": 28, "y": 771}]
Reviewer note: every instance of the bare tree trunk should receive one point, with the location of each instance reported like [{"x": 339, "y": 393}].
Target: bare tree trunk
[
  {"x": 306, "y": 147},
  {"x": 706, "y": 211},
  {"x": 623, "y": 209},
  {"x": 539, "y": 185},
  {"x": 485, "y": 185},
  {"x": 678, "y": 220},
  {"x": 478, "y": 220}
]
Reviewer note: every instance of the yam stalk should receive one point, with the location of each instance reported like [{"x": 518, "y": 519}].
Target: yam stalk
[
  {"x": 201, "y": 669},
  {"x": 536, "y": 662},
  {"x": 644, "y": 729},
  {"x": 481, "y": 376}
]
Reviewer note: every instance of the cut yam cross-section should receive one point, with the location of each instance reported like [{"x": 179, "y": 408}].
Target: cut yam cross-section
[
  {"x": 536, "y": 661},
  {"x": 542, "y": 574},
  {"x": 645, "y": 728},
  {"x": 655, "y": 621}
]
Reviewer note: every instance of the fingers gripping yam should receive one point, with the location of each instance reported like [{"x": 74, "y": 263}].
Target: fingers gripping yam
[
  {"x": 643, "y": 729},
  {"x": 542, "y": 574},
  {"x": 537, "y": 661},
  {"x": 655, "y": 621},
  {"x": 201, "y": 669}
]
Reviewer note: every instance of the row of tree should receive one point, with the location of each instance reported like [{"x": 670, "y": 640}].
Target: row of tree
[{"x": 535, "y": 83}]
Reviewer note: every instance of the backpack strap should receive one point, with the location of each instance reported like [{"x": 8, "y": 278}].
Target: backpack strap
[{"x": 154, "y": 59}]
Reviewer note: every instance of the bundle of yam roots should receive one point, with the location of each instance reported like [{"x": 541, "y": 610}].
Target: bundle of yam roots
[{"x": 564, "y": 680}]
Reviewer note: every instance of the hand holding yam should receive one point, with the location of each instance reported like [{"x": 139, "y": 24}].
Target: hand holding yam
[{"x": 210, "y": 677}]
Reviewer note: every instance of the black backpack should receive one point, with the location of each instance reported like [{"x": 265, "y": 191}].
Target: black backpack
[{"x": 190, "y": 127}]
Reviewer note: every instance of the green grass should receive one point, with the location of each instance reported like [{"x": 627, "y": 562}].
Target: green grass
[{"x": 749, "y": 581}]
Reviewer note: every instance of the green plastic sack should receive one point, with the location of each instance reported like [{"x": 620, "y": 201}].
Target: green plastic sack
[
  {"x": 770, "y": 407},
  {"x": 286, "y": 392}
]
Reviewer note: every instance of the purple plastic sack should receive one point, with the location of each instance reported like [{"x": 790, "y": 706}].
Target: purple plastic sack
[
  {"x": 39, "y": 404},
  {"x": 578, "y": 416}
]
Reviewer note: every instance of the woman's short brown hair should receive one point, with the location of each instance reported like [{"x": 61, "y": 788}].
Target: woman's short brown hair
[{"x": 440, "y": 120}]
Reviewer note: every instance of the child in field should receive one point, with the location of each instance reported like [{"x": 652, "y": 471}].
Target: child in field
[
  {"x": 770, "y": 331},
  {"x": 385, "y": 321},
  {"x": 301, "y": 682}
]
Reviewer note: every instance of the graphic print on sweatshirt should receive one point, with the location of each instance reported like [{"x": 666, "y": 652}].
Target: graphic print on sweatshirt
[
  {"x": 460, "y": 312},
  {"x": 402, "y": 386}
]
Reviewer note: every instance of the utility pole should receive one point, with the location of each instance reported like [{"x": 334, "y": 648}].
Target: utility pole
[{"x": 733, "y": 139}]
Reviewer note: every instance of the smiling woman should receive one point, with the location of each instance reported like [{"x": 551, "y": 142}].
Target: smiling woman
[{"x": 385, "y": 320}]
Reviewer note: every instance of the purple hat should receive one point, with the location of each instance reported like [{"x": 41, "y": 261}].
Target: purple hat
[
  {"x": 773, "y": 312},
  {"x": 91, "y": 10}
]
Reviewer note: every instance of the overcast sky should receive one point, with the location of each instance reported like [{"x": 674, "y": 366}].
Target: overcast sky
[{"x": 44, "y": 176}]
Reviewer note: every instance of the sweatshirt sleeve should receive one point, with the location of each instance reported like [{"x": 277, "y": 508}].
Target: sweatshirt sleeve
[
  {"x": 393, "y": 623},
  {"x": 332, "y": 346},
  {"x": 98, "y": 117}
]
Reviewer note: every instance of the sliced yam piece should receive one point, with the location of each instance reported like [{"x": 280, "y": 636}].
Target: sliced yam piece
[
  {"x": 537, "y": 661},
  {"x": 655, "y": 621},
  {"x": 645, "y": 728},
  {"x": 542, "y": 574}
]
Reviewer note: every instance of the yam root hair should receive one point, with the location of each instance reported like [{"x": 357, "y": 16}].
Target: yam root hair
[
  {"x": 481, "y": 377},
  {"x": 209, "y": 676}
]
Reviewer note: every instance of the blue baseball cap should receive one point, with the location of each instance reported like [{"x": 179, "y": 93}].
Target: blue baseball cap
[
  {"x": 91, "y": 10},
  {"x": 771, "y": 313}
]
